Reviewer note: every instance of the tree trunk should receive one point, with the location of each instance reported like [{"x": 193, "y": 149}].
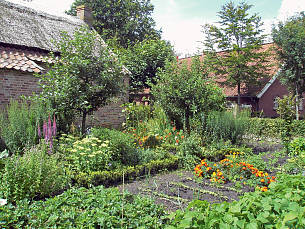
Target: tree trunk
[{"x": 84, "y": 122}]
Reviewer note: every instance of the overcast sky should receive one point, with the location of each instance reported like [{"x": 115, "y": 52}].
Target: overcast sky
[{"x": 181, "y": 20}]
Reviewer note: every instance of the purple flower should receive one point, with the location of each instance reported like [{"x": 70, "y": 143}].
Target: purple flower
[{"x": 45, "y": 131}]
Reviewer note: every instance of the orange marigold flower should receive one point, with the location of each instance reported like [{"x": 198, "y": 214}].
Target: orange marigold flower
[
  {"x": 244, "y": 168},
  {"x": 174, "y": 128},
  {"x": 182, "y": 137},
  {"x": 169, "y": 134},
  {"x": 177, "y": 141},
  {"x": 262, "y": 180}
]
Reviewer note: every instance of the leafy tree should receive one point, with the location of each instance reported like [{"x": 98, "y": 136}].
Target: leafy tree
[
  {"x": 238, "y": 36},
  {"x": 144, "y": 59},
  {"x": 184, "y": 91},
  {"x": 289, "y": 36},
  {"x": 127, "y": 20},
  {"x": 85, "y": 76}
]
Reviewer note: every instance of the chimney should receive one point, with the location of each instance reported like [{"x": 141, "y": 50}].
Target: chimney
[{"x": 84, "y": 13}]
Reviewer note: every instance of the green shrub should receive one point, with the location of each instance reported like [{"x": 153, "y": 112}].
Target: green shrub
[
  {"x": 34, "y": 174},
  {"x": 190, "y": 152},
  {"x": 85, "y": 208},
  {"x": 297, "y": 146},
  {"x": 18, "y": 127},
  {"x": 87, "y": 154},
  {"x": 135, "y": 114},
  {"x": 269, "y": 128},
  {"x": 282, "y": 206},
  {"x": 107, "y": 178},
  {"x": 224, "y": 126},
  {"x": 121, "y": 145},
  {"x": 147, "y": 155},
  {"x": 296, "y": 164}
]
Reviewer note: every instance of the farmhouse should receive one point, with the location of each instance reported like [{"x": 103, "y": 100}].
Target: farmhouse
[
  {"x": 262, "y": 98},
  {"x": 26, "y": 39}
]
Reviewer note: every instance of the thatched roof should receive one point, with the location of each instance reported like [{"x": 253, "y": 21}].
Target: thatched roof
[{"x": 24, "y": 26}]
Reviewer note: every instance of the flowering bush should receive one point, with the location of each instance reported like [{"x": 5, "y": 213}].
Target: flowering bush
[
  {"x": 229, "y": 168},
  {"x": 86, "y": 155},
  {"x": 147, "y": 140}
]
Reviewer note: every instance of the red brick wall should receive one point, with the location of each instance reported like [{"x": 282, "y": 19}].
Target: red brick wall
[
  {"x": 266, "y": 102},
  {"x": 14, "y": 83}
]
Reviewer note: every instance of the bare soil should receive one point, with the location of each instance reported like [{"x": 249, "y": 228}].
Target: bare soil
[{"x": 176, "y": 189}]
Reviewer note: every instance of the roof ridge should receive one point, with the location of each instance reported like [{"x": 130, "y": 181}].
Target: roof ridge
[{"x": 22, "y": 9}]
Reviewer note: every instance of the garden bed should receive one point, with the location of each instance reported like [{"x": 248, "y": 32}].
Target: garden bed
[{"x": 176, "y": 189}]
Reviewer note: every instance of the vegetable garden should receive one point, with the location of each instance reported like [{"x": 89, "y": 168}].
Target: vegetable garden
[{"x": 151, "y": 175}]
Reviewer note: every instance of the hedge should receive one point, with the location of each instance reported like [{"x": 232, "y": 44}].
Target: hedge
[
  {"x": 108, "y": 178},
  {"x": 267, "y": 127}
]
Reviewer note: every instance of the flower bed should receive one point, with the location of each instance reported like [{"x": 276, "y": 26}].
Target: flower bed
[{"x": 231, "y": 169}]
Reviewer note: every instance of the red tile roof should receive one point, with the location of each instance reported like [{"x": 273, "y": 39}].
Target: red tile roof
[
  {"x": 22, "y": 60},
  {"x": 246, "y": 90}
]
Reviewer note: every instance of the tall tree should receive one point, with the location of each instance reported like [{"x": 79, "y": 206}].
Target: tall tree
[
  {"x": 144, "y": 59},
  {"x": 289, "y": 36},
  {"x": 85, "y": 77},
  {"x": 239, "y": 36},
  {"x": 127, "y": 20}
]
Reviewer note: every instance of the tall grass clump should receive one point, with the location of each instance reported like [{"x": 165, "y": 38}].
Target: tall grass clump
[
  {"x": 18, "y": 124},
  {"x": 224, "y": 126}
]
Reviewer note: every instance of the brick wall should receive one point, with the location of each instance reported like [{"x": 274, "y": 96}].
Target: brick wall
[
  {"x": 266, "y": 102},
  {"x": 14, "y": 83}
]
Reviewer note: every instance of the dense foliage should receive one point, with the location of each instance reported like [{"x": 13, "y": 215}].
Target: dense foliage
[
  {"x": 224, "y": 126},
  {"x": 239, "y": 35},
  {"x": 84, "y": 208},
  {"x": 144, "y": 58},
  {"x": 269, "y": 128},
  {"x": 18, "y": 127},
  {"x": 289, "y": 36},
  {"x": 184, "y": 91},
  {"x": 129, "y": 21},
  {"x": 280, "y": 207},
  {"x": 35, "y": 174},
  {"x": 85, "y": 77}
]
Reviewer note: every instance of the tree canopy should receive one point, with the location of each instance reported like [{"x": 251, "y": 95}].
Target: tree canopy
[
  {"x": 144, "y": 59},
  {"x": 238, "y": 36},
  {"x": 289, "y": 37},
  {"x": 129, "y": 21},
  {"x": 85, "y": 76},
  {"x": 184, "y": 91}
]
